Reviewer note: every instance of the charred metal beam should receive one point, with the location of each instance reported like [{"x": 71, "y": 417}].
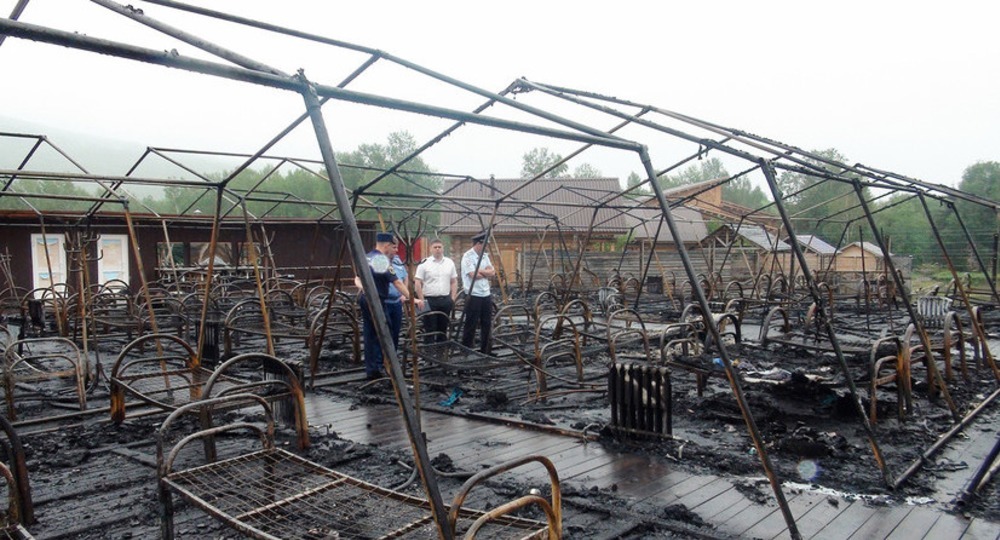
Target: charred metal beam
[
  {"x": 15, "y": 14},
  {"x": 821, "y": 315},
  {"x": 916, "y": 320},
  {"x": 976, "y": 328},
  {"x": 765, "y": 144},
  {"x": 392, "y": 58},
  {"x": 713, "y": 329},
  {"x": 168, "y": 59},
  {"x": 975, "y": 251},
  {"x": 943, "y": 439},
  {"x": 423, "y": 462}
]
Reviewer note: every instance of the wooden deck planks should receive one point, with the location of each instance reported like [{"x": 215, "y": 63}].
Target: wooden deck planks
[
  {"x": 948, "y": 526},
  {"x": 812, "y": 511},
  {"x": 847, "y": 522},
  {"x": 881, "y": 523},
  {"x": 470, "y": 443},
  {"x": 754, "y": 514},
  {"x": 774, "y": 524},
  {"x": 668, "y": 489},
  {"x": 703, "y": 494},
  {"x": 915, "y": 524},
  {"x": 979, "y": 529}
]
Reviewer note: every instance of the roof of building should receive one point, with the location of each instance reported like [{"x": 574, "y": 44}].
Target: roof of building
[
  {"x": 755, "y": 234},
  {"x": 760, "y": 236},
  {"x": 815, "y": 244},
  {"x": 534, "y": 206},
  {"x": 874, "y": 249},
  {"x": 645, "y": 222}
]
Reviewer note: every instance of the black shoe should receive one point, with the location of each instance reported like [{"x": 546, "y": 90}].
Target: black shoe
[{"x": 373, "y": 376}]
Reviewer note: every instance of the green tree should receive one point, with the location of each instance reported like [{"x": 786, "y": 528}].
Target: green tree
[
  {"x": 904, "y": 223},
  {"x": 739, "y": 190},
  {"x": 821, "y": 205},
  {"x": 742, "y": 192},
  {"x": 359, "y": 168},
  {"x": 981, "y": 179},
  {"x": 586, "y": 170},
  {"x": 634, "y": 180},
  {"x": 369, "y": 161},
  {"x": 539, "y": 160},
  {"x": 50, "y": 188},
  {"x": 704, "y": 170}
]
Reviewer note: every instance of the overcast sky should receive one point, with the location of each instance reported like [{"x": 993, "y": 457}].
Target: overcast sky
[{"x": 911, "y": 87}]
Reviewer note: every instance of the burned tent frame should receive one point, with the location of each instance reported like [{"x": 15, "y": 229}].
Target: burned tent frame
[{"x": 769, "y": 157}]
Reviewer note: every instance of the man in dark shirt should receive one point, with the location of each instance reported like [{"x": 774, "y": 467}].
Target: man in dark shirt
[{"x": 379, "y": 262}]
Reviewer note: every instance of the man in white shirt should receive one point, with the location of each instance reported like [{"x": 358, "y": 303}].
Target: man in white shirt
[
  {"x": 477, "y": 270},
  {"x": 436, "y": 282}
]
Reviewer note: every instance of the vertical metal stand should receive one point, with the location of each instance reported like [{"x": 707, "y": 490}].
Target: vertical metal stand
[
  {"x": 724, "y": 356},
  {"x": 824, "y": 321},
  {"x": 406, "y": 406}
]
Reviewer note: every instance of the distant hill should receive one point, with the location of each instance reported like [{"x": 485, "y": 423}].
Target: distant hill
[{"x": 98, "y": 155}]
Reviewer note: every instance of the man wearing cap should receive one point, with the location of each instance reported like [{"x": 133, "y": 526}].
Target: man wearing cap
[
  {"x": 476, "y": 273},
  {"x": 436, "y": 282},
  {"x": 380, "y": 264}
]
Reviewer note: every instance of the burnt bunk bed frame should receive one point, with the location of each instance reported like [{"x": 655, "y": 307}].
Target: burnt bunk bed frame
[
  {"x": 273, "y": 494},
  {"x": 164, "y": 371},
  {"x": 449, "y": 364}
]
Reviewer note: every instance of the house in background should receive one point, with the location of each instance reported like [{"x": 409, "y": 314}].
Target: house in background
[
  {"x": 538, "y": 231},
  {"x": 818, "y": 253},
  {"x": 539, "y": 228},
  {"x": 43, "y": 257},
  {"x": 860, "y": 257},
  {"x": 746, "y": 250}
]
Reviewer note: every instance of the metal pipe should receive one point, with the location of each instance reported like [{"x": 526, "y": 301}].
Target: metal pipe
[
  {"x": 209, "y": 271},
  {"x": 649, "y": 261},
  {"x": 976, "y": 328},
  {"x": 713, "y": 329},
  {"x": 821, "y": 316},
  {"x": 972, "y": 487},
  {"x": 258, "y": 281},
  {"x": 406, "y": 407},
  {"x": 916, "y": 320},
  {"x": 975, "y": 251},
  {"x": 165, "y": 58},
  {"x": 943, "y": 439}
]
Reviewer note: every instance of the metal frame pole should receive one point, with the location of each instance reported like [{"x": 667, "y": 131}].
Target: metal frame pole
[
  {"x": 975, "y": 251},
  {"x": 823, "y": 320},
  {"x": 917, "y": 322},
  {"x": 713, "y": 329},
  {"x": 980, "y": 334},
  {"x": 406, "y": 407}
]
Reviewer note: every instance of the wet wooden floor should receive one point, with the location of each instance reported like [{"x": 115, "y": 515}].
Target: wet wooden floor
[{"x": 646, "y": 480}]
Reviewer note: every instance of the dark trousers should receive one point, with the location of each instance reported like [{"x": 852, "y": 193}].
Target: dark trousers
[
  {"x": 478, "y": 312},
  {"x": 373, "y": 348},
  {"x": 394, "y": 316},
  {"x": 436, "y": 326}
]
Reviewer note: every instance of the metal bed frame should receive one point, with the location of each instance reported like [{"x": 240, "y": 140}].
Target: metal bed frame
[
  {"x": 164, "y": 371},
  {"x": 271, "y": 493}
]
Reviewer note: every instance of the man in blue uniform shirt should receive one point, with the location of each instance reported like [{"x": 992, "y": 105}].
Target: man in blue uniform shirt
[
  {"x": 380, "y": 265},
  {"x": 394, "y": 304}
]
